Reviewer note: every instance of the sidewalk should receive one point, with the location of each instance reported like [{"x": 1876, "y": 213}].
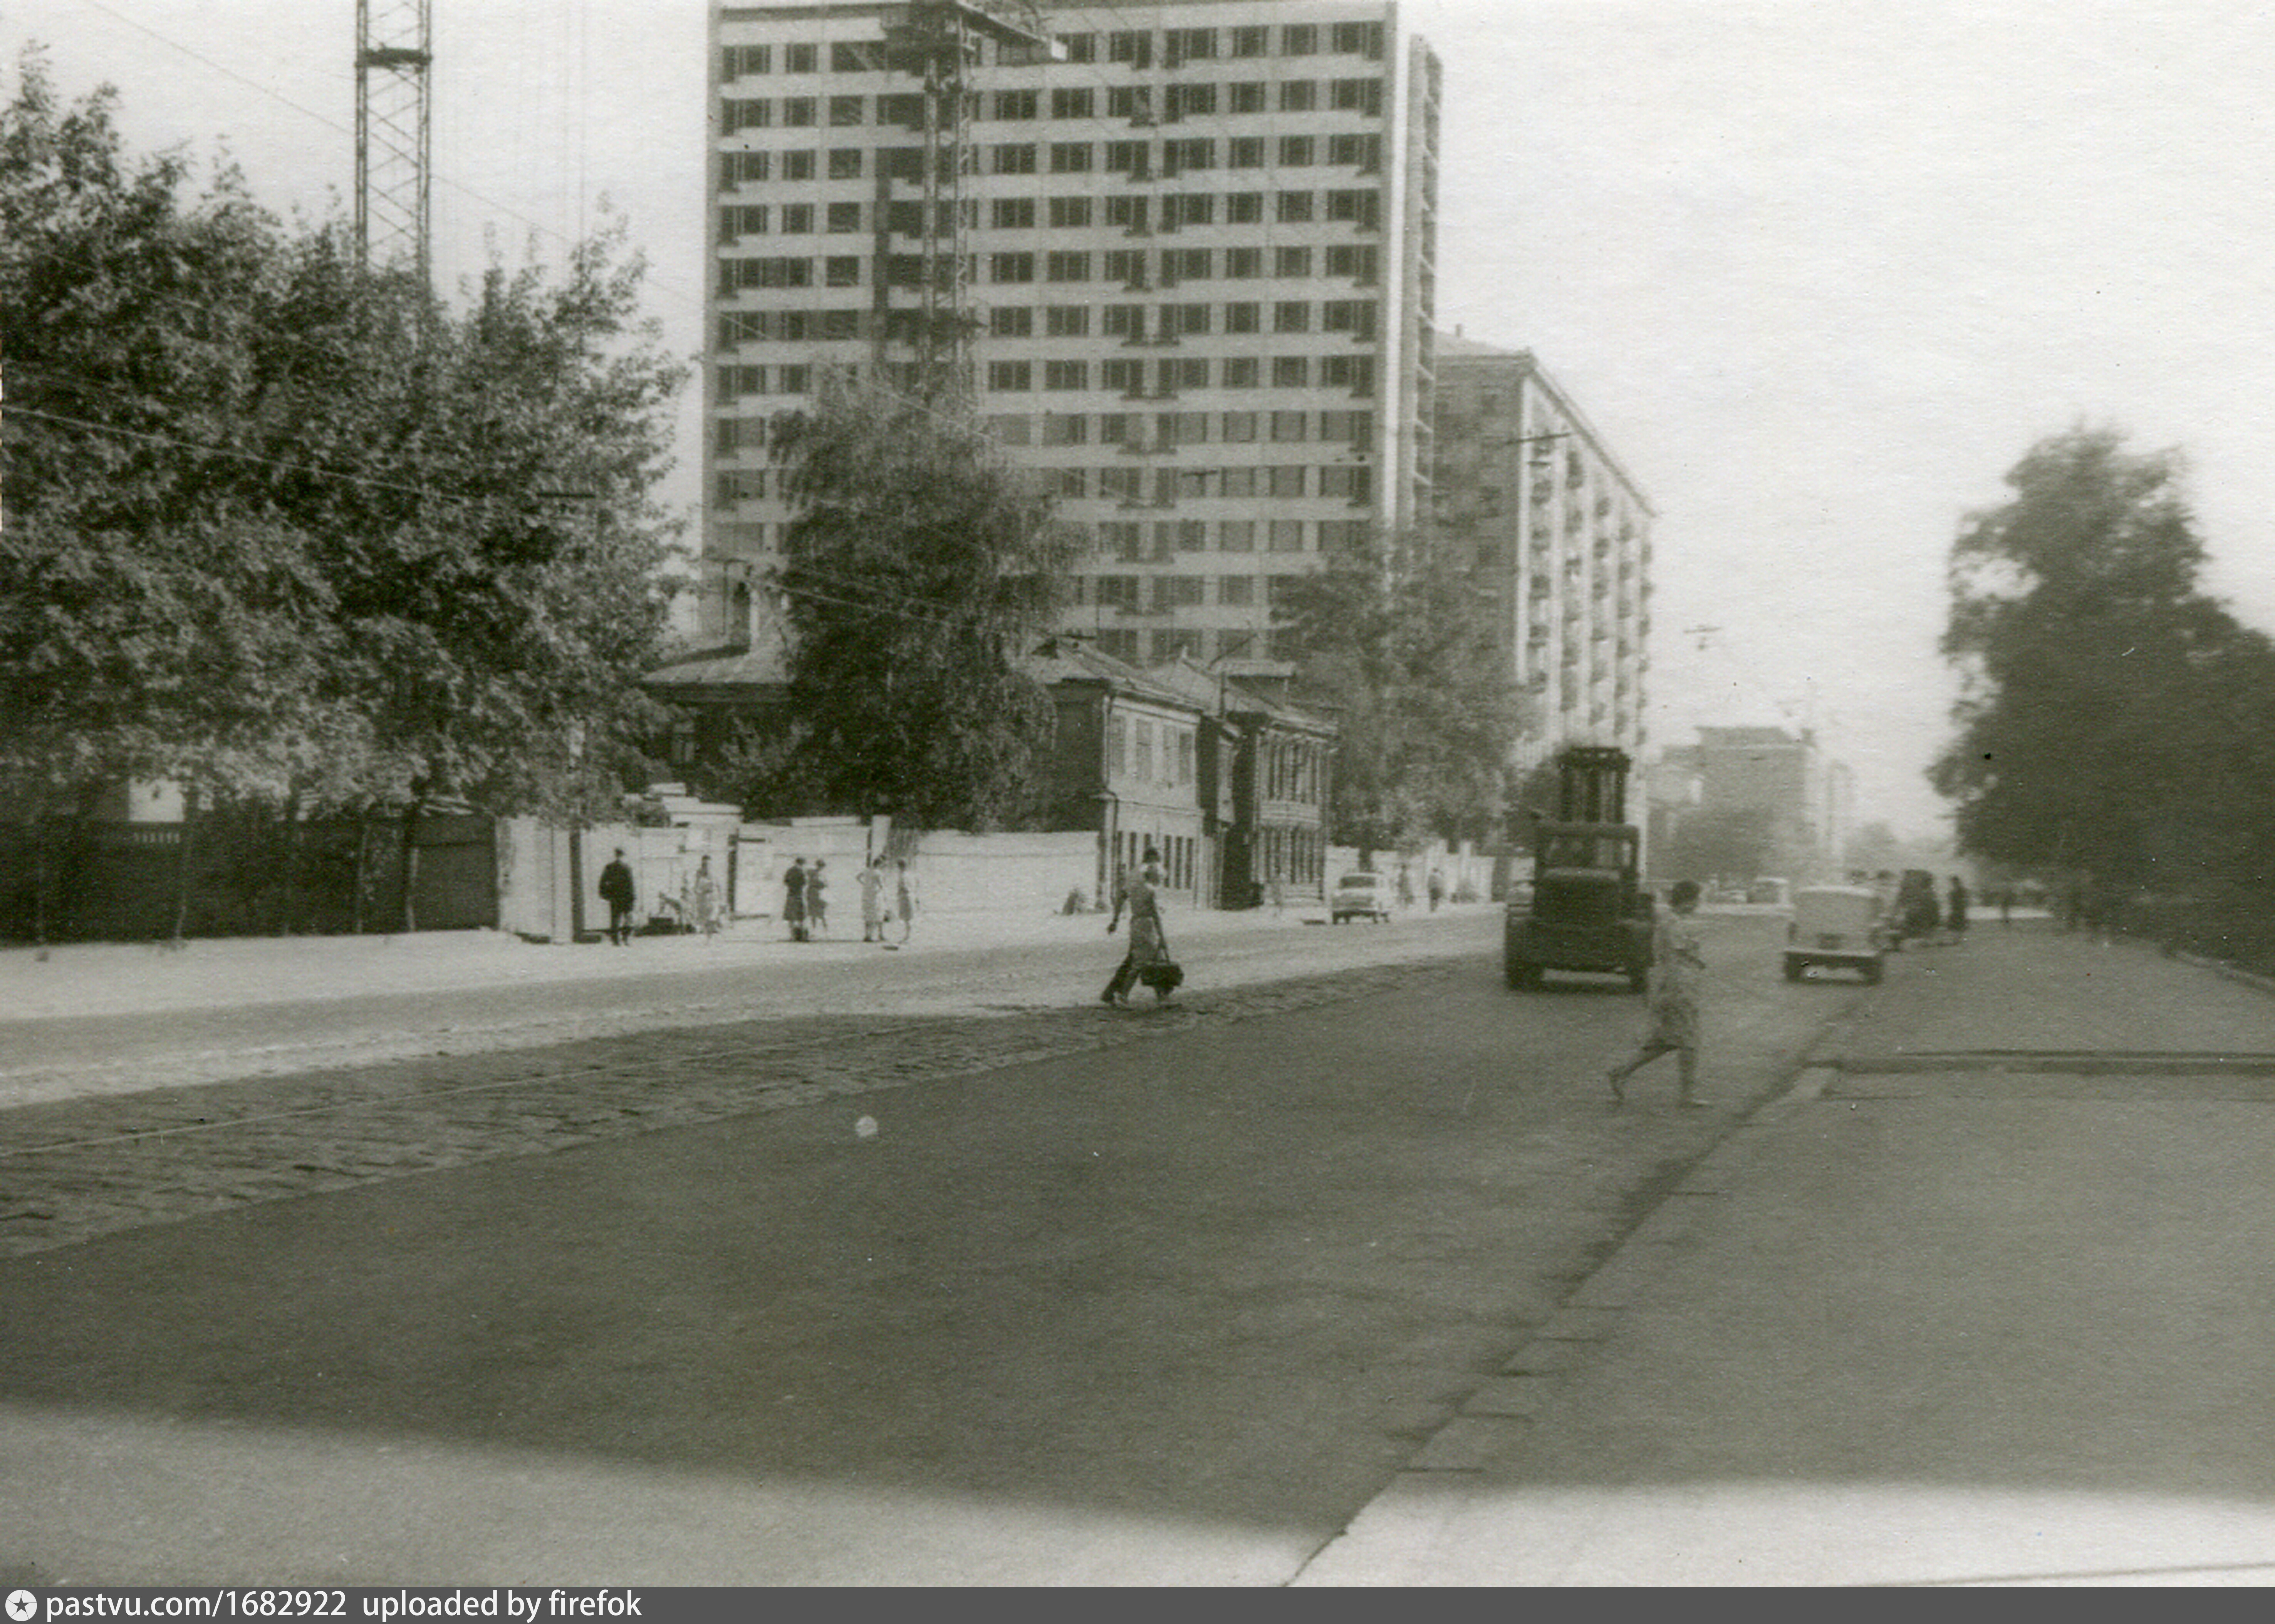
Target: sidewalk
[
  {"x": 99, "y": 978},
  {"x": 1984, "y": 1300}
]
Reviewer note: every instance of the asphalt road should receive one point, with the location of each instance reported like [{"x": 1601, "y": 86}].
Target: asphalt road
[
  {"x": 656, "y": 986},
  {"x": 1106, "y": 1297}
]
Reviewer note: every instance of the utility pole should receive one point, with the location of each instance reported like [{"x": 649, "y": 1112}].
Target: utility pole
[
  {"x": 393, "y": 135},
  {"x": 939, "y": 41}
]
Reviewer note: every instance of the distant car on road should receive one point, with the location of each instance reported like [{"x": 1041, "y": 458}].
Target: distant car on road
[
  {"x": 1835, "y": 927},
  {"x": 1360, "y": 895}
]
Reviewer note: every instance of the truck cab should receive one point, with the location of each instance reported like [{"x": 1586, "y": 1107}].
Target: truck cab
[{"x": 1586, "y": 911}]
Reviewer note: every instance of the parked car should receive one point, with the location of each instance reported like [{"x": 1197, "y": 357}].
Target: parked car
[
  {"x": 1835, "y": 927},
  {"x": 1360, "y": 895}
]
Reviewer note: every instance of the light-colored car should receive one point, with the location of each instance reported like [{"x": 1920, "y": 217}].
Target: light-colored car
[
  {"x": 1360, "y": 895},
  {"x": 1835, "y": 927}
]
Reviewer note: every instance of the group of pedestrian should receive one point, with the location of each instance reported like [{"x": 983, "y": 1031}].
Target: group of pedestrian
[
  {"x": 886, "y": 896},
  {"x": 700, "y": 901}
]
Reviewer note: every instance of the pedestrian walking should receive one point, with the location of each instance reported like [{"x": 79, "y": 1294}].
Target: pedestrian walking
[
  {"x": 794, "y": 899},
  {"x": 1149, "y": 948},
  {"x": 1437, "y": 888},
  {"x": 1405, "y": 885},
  {"x": 616, "y": 890},
  {"x": 703, "y": 899},
  {"x": 904, "y": 899},
  {"x": 817, "y": 903},
  {"x": 1955, "y": 910},
  {"x": 1672, "y": 998},
  {"x": 871, "y": 880}
]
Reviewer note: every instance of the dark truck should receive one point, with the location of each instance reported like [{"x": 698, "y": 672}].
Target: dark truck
[{"x": 1588, "y": 910}]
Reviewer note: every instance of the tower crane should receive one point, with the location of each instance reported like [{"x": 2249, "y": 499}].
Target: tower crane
[
  {"x": 938, "y": 41},
  {"x": 395, "y": 47}
]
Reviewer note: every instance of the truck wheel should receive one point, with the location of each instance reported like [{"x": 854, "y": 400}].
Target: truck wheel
[{"x": 1522, "y": 974}]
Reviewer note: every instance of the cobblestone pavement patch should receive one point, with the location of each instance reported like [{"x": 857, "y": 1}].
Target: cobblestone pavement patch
[{"x": 71, "y": 1170}]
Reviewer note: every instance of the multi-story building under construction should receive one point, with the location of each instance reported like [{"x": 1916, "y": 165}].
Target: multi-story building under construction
[{"x": 1195, "y": 255}]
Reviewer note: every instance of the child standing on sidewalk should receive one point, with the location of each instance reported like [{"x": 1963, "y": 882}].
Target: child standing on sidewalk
[{"x": 1676, "y": 964}]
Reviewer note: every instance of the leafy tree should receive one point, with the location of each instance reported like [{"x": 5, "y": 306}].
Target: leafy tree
[
  {"x": 2112, "y": 718},
  {"x": 277, "y": 524},
  {"x": 1399, "y": 645},
  {"x": 919, "y": 572}
]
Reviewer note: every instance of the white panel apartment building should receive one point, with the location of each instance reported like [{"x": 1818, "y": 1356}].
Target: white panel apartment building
[
  {"x": 1528, "y": 494},
  {"x": 1200, "y": 253}
]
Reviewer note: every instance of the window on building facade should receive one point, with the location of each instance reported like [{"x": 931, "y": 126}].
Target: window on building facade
[
  {"x": 1299, "y": 95},
  {"x": 798, "y": 166},
  {"x": 1070, "y": 212},
  {"x": 1242, "y": 372},
  {"x": 741, "y": 60},
  {"x": 1288, "y": 480},
  {"x": 1292, "y": 316},
  {"x": 744, "y": 114},
  {"x": 1018, "y": 104},
  {"x": 1067, "y": 321},
  {"x": 1066, "y": 375},
  {"x": 844, "y": 217},
  {"x": 1297, "y": 151},
  {"x": 1073, "y": 101},
  {"x": 1071, "y": 157},
  {"x": 845, "y": 111},
  {"x": 1011, "y": 322},
  {"x": 1010, "y": 213},
  {"x": 1067, "y": 266},
  {"x": 1293, "y": 208},
  {"x": 1009, "y": 377},
  {"x": 1292, "y": 372},
  {"x": 1237, "y": 591},
  {"x": 1010, "y": 267},
  {"x": 1190, "y": 208},
  {"x": 1299, "y": 39},
  {"x": 1012, "y": 158},
  {"x": 1290, "y": 262}
]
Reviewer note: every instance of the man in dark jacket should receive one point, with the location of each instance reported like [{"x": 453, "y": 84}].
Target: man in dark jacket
[{"x": 617, "y": 891}]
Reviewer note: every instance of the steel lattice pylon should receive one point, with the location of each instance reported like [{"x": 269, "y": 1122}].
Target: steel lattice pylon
[{"x": 393, "y": 145}]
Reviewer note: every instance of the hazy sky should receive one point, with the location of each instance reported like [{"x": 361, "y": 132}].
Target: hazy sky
[{"x": 1820, "y": 273}]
